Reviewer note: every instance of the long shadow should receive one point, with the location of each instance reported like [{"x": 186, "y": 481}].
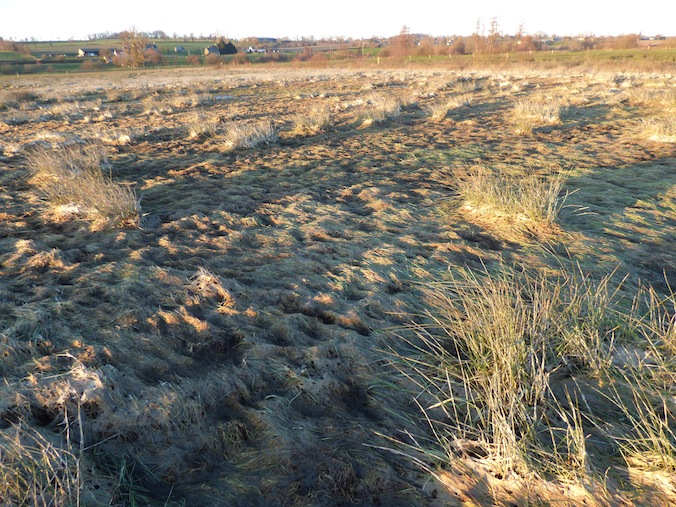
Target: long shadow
[
  {"x": 626, "y": 216},
  {"x": 316, "y": 251}
]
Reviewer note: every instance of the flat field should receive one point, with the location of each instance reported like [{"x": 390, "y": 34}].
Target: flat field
[{"x": 338, "y": 287}]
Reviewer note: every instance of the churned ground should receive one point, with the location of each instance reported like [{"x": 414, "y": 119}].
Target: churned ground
[{"x": 247, "y": 338}]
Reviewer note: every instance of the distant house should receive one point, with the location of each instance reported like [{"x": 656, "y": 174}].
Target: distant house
[
  {"x": 212, "y": 50},
  {"x": 82, "y": 52}
]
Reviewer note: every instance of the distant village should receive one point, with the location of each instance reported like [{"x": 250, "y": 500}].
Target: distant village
[
  {"x": 139, "y": 49},
  {"x": 493, "y": 42}
]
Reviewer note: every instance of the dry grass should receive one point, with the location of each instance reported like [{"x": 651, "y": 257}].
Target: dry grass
[
  {"x": 240, "y": 135},
  {"x": 231, "y": 348},
  {"x": 533, "y": 112},
  {"x": 524, "y": 200},
  {"x": 660, "y": 129},
  {"x": 380, "y": 108},
  {"x": 311, "y": 124},
  {"x": 73, "y": 181},
  {"x": 35, "y": 472},
  {"x": 525, "y": 371}
]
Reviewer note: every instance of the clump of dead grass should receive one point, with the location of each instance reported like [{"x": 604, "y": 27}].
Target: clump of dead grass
[
  {"x": 664, "y": 98},
  {"x": 438, "y": 110},
  {"x": 660, "y": 129},
  {"x": 524, "y": 200},
  {"x": 533, "y": 112},
  {"x": 380, "y": 108},
  {"x": 531, "y": 374},
  {"x": 16, "y": 98},
  {"x": 34, "y": 471},
  {"x": 203, "y": 125},
  {"x": 311, "y": 124},
  {"x": 73, "y": 181},
  {"x": 240, "y": 135}
]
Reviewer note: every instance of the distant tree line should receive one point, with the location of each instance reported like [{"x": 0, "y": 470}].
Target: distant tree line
[
  {"x": 6, "y": 45},
  {"x": 157, "y": 34},
  {"x": 489, "y": 39}
]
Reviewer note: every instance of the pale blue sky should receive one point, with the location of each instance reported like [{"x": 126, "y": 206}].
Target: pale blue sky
[{"x": 64, "y": 19}]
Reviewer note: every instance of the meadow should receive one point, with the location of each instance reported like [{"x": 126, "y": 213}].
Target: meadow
[{"x": 330, "y": 286}]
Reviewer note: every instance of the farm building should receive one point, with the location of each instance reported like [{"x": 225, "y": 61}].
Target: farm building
[{"x": 82, "y": 52}]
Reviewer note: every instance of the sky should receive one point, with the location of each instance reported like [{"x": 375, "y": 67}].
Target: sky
[{"x": 73, "y": 19}]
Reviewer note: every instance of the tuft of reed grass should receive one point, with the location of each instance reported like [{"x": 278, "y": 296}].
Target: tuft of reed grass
[
  {"x": 72, "y": 179},
  {"x": 660, "y": 129},
  {"x": 312, "y": 123},
  {"x": 524, "y": 371},
  {"x": 535, "y": 112},
  {"x": 33, "y": 471},
  {"x": 249, "y": 135},
  {"x": 202, "y": 125},
  {"x": 527, "y": 200},
  {"x": 380, "y": 108},
  {"x": 439, "y": 110}
]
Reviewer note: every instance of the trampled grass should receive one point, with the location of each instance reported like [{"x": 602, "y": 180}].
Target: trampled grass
[{"x": 344, "y": 303}]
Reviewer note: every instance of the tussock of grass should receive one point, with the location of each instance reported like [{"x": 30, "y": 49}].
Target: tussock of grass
[
  {"x": 660, "y": 129},
  {"x": 380, "y": 108},
  {"x": 202, "y": 125},
  {"x": 311, "y": 124},
  {"x": 535, "y": 112},
  {"x": 249, "y": 135},
  {"x": 15, "y": 98},
  {"x": 72, "y": 180},
  {"x": 35, "y": 472},
  {"x": 655, "y": 97},
  {"x": 528, "y": 201},
  {"x": 156, "y": 104},
  {"x": 188, "y": 99},
  {"x": 440, "y": 109},
  {"x": 525, "y": 371}
]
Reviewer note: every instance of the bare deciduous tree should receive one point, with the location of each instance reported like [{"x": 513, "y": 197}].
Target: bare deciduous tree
[
  {"x": 134, "y": 46},
  {"x": 403, "y": 43}
]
